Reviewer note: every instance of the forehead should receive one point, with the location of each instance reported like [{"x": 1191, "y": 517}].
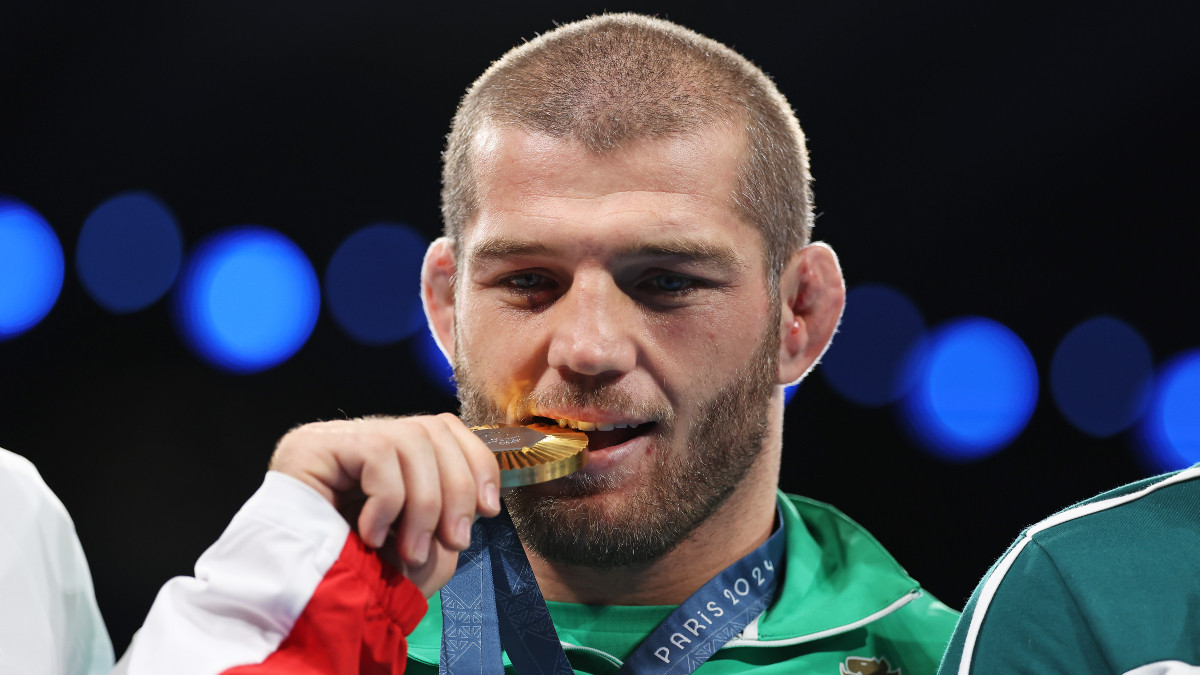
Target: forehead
[
  {"x": 704, "y": 160},
  {"x": 539, "y": 185}
]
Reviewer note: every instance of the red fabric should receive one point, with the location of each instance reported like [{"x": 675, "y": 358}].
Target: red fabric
[{"x": 355, "y": 622}]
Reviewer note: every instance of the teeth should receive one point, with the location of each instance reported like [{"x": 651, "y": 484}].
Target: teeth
[{"x": 592, "y": 426}]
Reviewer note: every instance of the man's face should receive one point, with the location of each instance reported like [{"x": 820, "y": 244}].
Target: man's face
[{"x": 619, "y": 292}]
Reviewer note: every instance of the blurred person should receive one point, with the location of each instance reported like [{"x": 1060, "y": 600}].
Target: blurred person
[
  {"x": 1110, "y": 585},
  {"x": 627, "y": 252},
  {"x": 49, "y": 621}
]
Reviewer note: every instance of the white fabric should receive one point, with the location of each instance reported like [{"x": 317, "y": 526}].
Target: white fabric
[
  {"x": 49, "y": 621},
  {"x": 250, "y": 586},
  {"x": 1166, "y": 668}
]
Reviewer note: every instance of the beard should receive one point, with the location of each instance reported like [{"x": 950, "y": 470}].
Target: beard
[{"x": 578, "y": 520}]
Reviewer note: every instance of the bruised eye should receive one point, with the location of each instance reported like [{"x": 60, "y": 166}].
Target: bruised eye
[{"x": 529, "y": 288}]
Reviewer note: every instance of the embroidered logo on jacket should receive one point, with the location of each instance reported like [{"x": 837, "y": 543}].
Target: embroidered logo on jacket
[{"x": 857, "y": 665}]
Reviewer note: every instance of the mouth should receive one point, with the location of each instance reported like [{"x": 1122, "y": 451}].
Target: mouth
[{"x": 601, "y": 435}]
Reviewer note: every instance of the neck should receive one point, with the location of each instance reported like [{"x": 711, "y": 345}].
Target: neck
[{"x": 738, "y": 527}]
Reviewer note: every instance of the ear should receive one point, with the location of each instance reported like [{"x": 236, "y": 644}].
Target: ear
[
  {"x": 437, "y": 292},
  {"x": 813, "y": 294}
]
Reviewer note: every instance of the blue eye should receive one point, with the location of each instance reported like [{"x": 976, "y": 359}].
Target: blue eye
[
  {"x": 671, "y": 283},
  {"x": 525, "y": 281}
]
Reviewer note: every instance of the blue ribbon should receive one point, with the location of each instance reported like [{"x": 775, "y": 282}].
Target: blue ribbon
[
  {"x": 470, "y": 634},
  {"x": 714, "y": 614},
  {"x": 493, "y": 600}
]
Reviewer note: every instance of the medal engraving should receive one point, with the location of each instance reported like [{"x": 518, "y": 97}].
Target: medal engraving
[
  {"x": 535, "y": 453},
  {"x": 509, "y": 438}
]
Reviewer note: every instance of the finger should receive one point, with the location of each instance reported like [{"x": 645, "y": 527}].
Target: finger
[
  {"x": 309, "y": 454},
  {"x": 457, "y": 484},
  {"x": 437, "y": 570},
  {"x": 423, "y": 501},
  {"x": 482, "y": 462},
  {"x": 383, "y": 484}
]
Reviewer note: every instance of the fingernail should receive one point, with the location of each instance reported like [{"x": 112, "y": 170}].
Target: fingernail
[
  {"x": 420, "y": 550},
  {"x": 462, "y": 532},
  {"x": 491, "y": 495}
]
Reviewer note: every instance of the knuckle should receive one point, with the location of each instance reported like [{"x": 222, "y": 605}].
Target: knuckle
[
  {"x": 295, "y": 435},
  {"x": 484, "y": 463},
  {"x": 423, "y": 507},
  {"x": 373, "y": 445},
  {"x": 458, "y": 486},
  {"x": 296, "y": 441},
  {"x": 416, "y": 432}
]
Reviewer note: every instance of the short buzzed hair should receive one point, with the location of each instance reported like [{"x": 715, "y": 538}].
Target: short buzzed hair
[{"x": 615, "y": 78}]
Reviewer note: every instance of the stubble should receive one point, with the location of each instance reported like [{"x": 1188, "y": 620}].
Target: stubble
[{"x": 579, "y": 521}]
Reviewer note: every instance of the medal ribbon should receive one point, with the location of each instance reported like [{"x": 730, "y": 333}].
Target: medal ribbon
[{"x": 494, "y": 599}]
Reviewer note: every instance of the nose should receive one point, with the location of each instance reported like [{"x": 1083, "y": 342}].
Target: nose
[{"x": 592, "y": 331}]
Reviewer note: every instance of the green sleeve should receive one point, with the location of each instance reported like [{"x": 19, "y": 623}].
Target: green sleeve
[{"x": 1032, "y": 624}]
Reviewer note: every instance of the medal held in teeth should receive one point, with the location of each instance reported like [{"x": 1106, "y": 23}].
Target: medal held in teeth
[{"x": 535, "y": 453}]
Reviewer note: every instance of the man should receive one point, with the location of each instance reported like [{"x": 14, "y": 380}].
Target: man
[
  {"x": 627, "y": 213},
  {"x": 1107, "y": 586}
]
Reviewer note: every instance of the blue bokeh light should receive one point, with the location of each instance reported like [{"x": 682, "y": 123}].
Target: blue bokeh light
[
  {"x": 31, "y": 267},
  {"x": 433, "y": 363},
  {"x": 248, "y": 299},
  {"x": 1100, "y": 376},
  {"x": 129, "y": 252},
  {"x": 373, "y": 284},
  {"x": 975, "y": 388},
  {"x": 1170, "y": 430},
  {"x": 865, "y": 363}
]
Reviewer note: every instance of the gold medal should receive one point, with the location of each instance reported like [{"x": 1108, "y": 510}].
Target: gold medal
[{"x": 535, "y": 453}]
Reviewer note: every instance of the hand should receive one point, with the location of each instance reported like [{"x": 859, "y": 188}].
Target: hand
[{"x": 429, "y": 475}]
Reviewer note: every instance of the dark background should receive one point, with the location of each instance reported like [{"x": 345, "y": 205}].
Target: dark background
[{"x": 1035, "y": 165}]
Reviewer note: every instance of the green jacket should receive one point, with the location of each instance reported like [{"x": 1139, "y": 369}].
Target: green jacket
[
  {"x": 1110, "y": 585},
  {"x": 845, "y": 607}
]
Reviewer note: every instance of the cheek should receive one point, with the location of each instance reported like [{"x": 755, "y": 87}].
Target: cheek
[
  {"x": 719, "y": 332},
  {"x": 498, "y": 351},
  {"x": 700, "y": 352}
]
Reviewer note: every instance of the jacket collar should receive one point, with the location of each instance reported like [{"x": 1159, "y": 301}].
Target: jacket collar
[{"x": 837, "y": 577}]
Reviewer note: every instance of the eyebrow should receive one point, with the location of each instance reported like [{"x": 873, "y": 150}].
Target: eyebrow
[
  {"x": 686, "y": 250},
  {"x": 496, "y": 248}
]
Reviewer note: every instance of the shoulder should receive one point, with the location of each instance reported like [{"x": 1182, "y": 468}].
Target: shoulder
[
  {"x": 22, "y": 491},
  {"x": 15, "y": 469},
  {"x": 49, "y": 603},
  {"x": 1146, "y": 521},
  {"x": 1101, "y": 576}
]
